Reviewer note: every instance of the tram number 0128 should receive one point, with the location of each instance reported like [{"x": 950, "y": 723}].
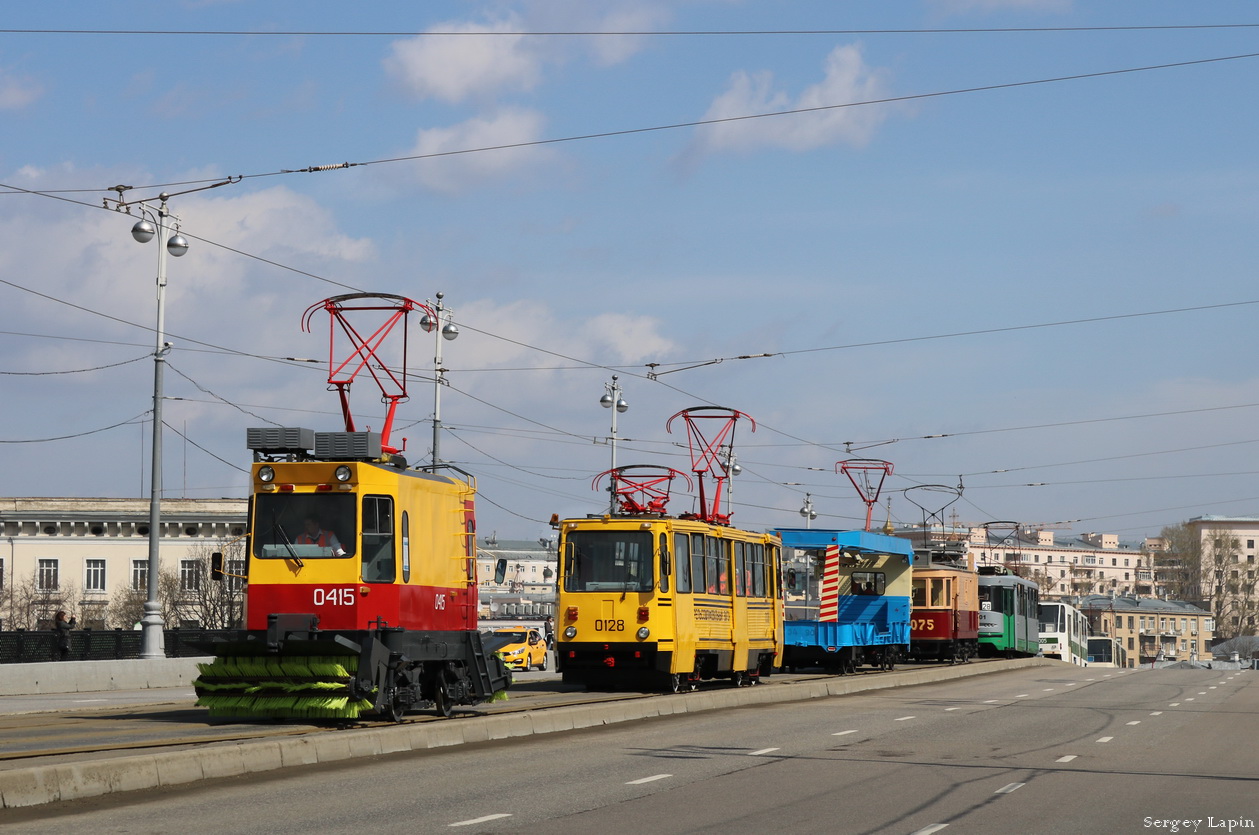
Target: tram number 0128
[{"x": 609, "y": 625}]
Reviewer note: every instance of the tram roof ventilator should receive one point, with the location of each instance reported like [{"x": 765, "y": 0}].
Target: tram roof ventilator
[{"x": 295, "y": 443}]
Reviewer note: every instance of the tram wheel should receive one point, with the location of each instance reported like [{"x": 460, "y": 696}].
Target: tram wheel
[{"x": 442, "y": 699}]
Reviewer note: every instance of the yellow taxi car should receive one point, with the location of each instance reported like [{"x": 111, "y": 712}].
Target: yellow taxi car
[{"x": 525, "y": 649}]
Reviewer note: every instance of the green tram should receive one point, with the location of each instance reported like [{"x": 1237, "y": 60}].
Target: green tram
[{"x": 1008, "y": 614}]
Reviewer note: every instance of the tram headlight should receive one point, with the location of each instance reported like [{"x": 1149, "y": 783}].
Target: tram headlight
[
  {"x": 570, "y": 633},
  {"x": 266, "y": 474},
  {"x": 342, "y": 473},
  {"x": 643, "y": 632}
]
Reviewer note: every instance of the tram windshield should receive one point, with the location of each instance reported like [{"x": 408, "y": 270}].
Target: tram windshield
[
  {"x": 303, "y": 526},
  {"x": 1053, "y": 618},
  {"x": 608, "y": 561}
]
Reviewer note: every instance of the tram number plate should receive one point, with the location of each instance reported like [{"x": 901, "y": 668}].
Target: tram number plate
[
  {"x": 334, "y": 597},
  {"x": 923, "y": 624},
  {"x": 609, "y": 625}
]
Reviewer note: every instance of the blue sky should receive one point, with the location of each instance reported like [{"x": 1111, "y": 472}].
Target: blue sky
[{"x": 1009, "y": 244}]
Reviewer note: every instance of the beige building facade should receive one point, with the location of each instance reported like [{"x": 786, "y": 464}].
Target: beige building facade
[{"x": 78, "y": 554}]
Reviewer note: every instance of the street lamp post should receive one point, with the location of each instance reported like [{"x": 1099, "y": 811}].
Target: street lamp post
[
  {"x": 612, "y": 398},
  {"x": 442, "y": 326},
  {"x": 807, "y": 511},
  {"x": 152, "y": 639}
]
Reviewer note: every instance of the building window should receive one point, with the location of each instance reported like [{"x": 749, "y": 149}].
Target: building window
[
  {"x": 236, "y": 575},
  {"x": 139, "y": 575},
  {"x": 190, "y": 575},
  {"x": 1130, "y": 626},
  {"x": 47, "y": 578},
  {"x": 94, "y": 576}
]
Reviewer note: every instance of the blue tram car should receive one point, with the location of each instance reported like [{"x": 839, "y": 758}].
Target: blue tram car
[{"x": 848, "y": 601}]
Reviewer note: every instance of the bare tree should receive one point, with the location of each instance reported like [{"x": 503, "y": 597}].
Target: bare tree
[
  {"x": 1180, "y": 567},
  {"x": 30, "y": 606},
  {"x": 126, "y": 608},
  {"x": 213, "y": 604},
  {"x": 1229, "y": 583},
  {"x": 187, "y": 594}
]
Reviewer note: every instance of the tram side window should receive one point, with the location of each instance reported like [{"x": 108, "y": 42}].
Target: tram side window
[
  {"x": 379, "y": 565},
  {"x": 940, "y": 596},
  {"x": 740, "y": 568},
  {"x": 664, "y": 562},
  {"x": 757, "y": 569},
  {"x": 717, "y": 570},
  {"x": 698, "y": 581},
  {"x": 869, "y": 582},
  {"x": 919, "y": 595},
  {"x": 682, "y": 562}
]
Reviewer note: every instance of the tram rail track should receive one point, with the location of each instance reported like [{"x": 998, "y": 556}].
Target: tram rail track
[{"x": 84, "y": 732}]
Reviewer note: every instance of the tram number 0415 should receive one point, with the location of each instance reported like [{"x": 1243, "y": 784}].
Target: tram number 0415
[
  {"x": 609, "y": 625},
  {"x": 334, "y": 597}
]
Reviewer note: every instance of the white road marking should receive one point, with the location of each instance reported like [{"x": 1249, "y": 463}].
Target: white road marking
[
  {"x": 1049, "y": 690},
  {"x": 935, "y": 827},
  {"x": 1157, "y": 713},
  {"x": 85, "y": 701},
  {"x": 947, "y": 709},
  {"x": 1021, "y": 696},
  {"x": 1068, "y": 758},
  {"x": 475, "y": 821},
  {"x": 990, "y": 701},
  {"x": 1190, "y": 699},
  {"x": 762, "y": 751},
  {"x": 1105, "y": 739},
  {"x": 903, "y": 718},
  {"x": 843, "y": 733},
  {"x": 650, "y": 779},
  {"x": 1013, "y": 787},
  {"x": 1137, "y": 722},
  {"x": 1174, "y": 704}
]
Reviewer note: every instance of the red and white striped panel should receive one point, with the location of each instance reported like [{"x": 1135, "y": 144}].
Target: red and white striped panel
[{"x": 829, "y": 612}]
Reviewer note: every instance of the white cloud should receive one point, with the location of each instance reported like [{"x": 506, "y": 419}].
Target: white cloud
[
  {"x": 486, "y": 59},
  {"x": 505, "y": 128},
  {"x": 456, "y": 67},
  {"x": 16, "y": 93},
  {"x": 630, "y": 339},
  {"x": 847, "y": 79}
]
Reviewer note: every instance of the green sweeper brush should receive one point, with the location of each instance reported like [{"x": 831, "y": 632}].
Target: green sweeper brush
[{"x": 273, "y": 687}]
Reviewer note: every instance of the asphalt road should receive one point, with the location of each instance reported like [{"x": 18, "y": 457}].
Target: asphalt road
[{"x": 1040, "y": 750}]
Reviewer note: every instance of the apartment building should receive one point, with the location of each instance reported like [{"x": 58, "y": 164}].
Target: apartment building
[{"x": 1149, "y": 628}]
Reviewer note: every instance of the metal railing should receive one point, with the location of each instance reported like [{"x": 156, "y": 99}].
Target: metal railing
[{"x": 24, "y": 647}]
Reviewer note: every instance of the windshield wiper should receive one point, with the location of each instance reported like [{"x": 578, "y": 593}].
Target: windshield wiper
[{"x": 288, "y": 543}]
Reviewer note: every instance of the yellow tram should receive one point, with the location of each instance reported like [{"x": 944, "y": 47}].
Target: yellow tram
[{"x": 649, "y": 602}]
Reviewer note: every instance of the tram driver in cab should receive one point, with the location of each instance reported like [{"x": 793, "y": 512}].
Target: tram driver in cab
[{"x": 315, "y": 534}]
